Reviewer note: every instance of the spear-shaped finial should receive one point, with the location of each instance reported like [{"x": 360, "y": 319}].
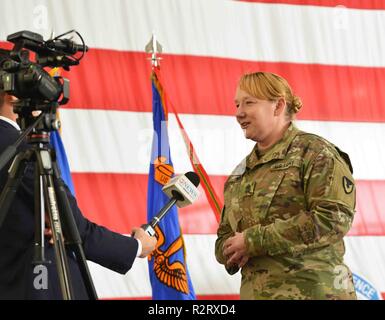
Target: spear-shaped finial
[{"x": 154, "y": 48}]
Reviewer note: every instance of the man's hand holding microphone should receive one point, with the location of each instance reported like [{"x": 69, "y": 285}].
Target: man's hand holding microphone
[
  {"x": 182, "y": 191},
  {"x": 147, "y": 242}
]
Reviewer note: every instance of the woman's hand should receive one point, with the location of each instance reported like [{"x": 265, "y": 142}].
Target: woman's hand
[{"x": 234, "y": 249}]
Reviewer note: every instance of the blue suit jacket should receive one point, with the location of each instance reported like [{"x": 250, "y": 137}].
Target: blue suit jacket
[{"x": 107, "y": 248}]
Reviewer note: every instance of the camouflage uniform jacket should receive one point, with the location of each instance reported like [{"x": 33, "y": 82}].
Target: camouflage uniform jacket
[{"x": 294, "y": 204}]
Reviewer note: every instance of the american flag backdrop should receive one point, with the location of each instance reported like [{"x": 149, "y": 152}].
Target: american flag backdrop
[{"x": 332, "y": 52}]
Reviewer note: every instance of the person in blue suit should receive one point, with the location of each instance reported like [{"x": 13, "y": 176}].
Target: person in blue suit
[{"x": 17, "y": 278}]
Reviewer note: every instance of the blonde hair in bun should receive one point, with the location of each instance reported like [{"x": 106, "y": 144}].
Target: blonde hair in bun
[
  {"x": 270, "y": 86},
  {"x": 295, "y": 106}
]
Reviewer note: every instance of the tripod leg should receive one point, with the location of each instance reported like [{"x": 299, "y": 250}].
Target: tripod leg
[
  {"x": 72, "y": 236},
  {"x": 46, "y": 172},
  {"x": 39, "y": 252},
  {"x": 15, "y": 175}
]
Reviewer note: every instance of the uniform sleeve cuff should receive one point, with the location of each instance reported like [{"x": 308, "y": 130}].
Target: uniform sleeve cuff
[{"x": 254, "y": 241}]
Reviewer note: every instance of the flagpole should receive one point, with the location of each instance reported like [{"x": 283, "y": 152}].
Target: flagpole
[{"x": 154, "y": 48}]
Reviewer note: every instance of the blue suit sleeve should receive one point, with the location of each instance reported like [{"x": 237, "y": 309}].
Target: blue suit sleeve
[{"x": 105, "y": 247}]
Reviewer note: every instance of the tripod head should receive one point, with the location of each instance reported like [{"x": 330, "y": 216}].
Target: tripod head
[{"x": 40, "y": 130}]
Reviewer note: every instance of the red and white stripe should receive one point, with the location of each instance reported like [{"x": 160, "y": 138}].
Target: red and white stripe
[{"x": 333, "y": 56}]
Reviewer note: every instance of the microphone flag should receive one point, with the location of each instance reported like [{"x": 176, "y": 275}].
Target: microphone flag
[{"x": 169, "y": 276}]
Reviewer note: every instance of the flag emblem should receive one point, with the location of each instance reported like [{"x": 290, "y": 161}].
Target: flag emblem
[
  {"x": 171, "y": 274},
  {"x": 163, "y": 170}
]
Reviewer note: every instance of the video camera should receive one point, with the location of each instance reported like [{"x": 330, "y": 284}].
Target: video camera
[{"x": 27, "y": 80}]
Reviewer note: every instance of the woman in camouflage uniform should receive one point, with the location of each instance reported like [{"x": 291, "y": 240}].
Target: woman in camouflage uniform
[{"x": 288, "y": 205}]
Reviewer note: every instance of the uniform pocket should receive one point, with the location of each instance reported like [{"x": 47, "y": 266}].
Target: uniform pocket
[
  {"x": 289, "y": 197},
  {"x": 256, "y": 196},
  {"x": 265, "y": 191}
]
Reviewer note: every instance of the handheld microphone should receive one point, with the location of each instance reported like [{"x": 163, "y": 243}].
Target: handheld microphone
[{"x": 182, "y": 191}]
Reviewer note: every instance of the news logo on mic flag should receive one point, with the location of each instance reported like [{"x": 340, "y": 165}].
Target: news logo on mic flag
[{"x": 168, "y": 270}]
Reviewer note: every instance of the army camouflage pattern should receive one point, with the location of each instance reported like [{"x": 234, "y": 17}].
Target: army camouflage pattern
[{"x": 294, "y": 205}]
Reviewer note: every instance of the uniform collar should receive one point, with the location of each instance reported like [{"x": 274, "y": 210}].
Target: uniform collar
[{"x": 278, "y": 151}]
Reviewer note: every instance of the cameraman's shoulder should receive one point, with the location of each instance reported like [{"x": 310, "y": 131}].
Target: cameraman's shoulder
[{"x": 8, "y": 134}]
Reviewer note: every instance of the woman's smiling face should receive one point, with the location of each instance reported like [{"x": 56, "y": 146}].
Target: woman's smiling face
[{"x": 255, "y": 116}]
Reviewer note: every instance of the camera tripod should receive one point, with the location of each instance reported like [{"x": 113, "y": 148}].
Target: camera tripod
[{"x": 50, "y": 196}]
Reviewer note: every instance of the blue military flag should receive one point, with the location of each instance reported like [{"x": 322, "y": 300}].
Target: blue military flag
[
  {"x": 57, "y": 144},
  {"x": 169, "y": 275},
  {"x": 61, "y": 159}
]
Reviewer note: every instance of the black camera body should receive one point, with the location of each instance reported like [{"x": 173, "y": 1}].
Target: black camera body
[
  {"x": 26, "y": 79},
  {"x": 30, "y": 81}
]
